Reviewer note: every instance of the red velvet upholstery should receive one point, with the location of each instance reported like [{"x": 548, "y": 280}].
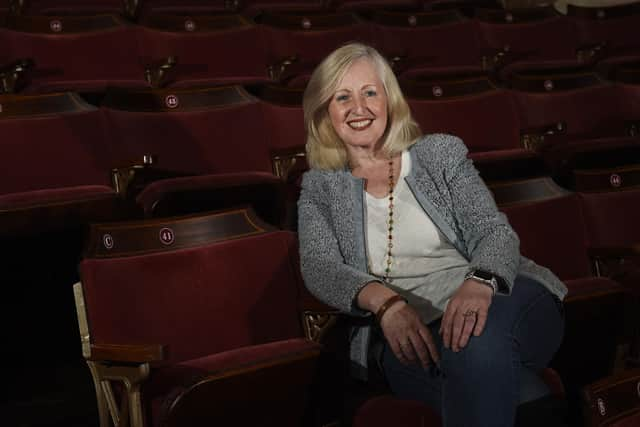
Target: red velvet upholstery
[
  {"x": 165, "y": 383},
  {"x": 285, "y": 125},
  {"x": 485, "y": 121},
  {"x": 170, "y": 298},
  {"x": 54, "y": 151},
  {"x": 615, "y": 31},
  {"x": 550, "y": 38},
  {"x": 216, "y": 140},
  {"x": 612, "y": 217},
  {"x": 375, "y": 4},
  {"x": 54, "y": 195},
  {"x": 218, "y": 308},
  {"x": 448, "y": 44},
  {"x": 311, "y": 44},
  {"x": 588, "y": 112},
  {"x": 80, "y": 61},
  {"x": 208, "y": 56},
  {"x": 552, "y": 233}
]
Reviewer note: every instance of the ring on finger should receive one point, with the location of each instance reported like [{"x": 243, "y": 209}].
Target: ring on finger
[{"x": 470, "y": 313}]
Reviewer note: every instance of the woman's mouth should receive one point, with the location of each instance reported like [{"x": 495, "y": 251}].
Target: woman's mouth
[{"x": 360, "y": 124}]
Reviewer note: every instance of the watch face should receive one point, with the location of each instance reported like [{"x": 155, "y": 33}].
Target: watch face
[{"x": 483, "y": 275}]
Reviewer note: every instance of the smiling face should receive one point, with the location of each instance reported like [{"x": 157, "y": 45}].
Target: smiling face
[{"x": 358, "y": 109}]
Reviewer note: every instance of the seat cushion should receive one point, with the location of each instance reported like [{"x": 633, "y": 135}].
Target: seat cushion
[{"x": 166, "y": 383}]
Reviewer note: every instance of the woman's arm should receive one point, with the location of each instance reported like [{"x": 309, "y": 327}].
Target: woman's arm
[
  {"x": 492, "y": 244},
  {"x": 324, "y": 270}
]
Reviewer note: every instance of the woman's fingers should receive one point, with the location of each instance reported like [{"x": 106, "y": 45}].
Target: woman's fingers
[
  {"x": 470, "y": 318},
  {"x": 480, "y": 322},
  {"x": 426, "y": 337}
]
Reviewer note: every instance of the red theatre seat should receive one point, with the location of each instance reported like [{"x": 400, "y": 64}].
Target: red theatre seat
[
  {"x": 536, "y": 33},
  {"x": 210, "y": 146},
  {"x": 55, "y": 165},
  {"x": 438, "y": 40},
  {"x": 552, "y": 231},
  {"x": 296, "y": 42},
  {"x": 80, "y": 53},
  {"x": 469, "y": 106},
  {"x": 575, "y": 119},
  {"x": 54, "y": 155},
  {"x": 201, "y": 49},
  {"x": 617, "y": 27},
  {"x": 194, "y": 321}
]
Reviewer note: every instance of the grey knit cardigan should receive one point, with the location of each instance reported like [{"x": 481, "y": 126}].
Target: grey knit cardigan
[{"x": 447, "y": 186}]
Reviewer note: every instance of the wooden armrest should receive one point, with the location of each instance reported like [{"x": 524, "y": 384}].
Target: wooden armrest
[
  {"x": 129, "y": 180},
  {"x": 590, "y": 54},
  {"x": 157, "y": 74},
  {"x": 128, "y": 353},
  {"x": 13, "y": 76},
  {"x": 535, "y": 139},
  {"x": 632, "y": 127}
]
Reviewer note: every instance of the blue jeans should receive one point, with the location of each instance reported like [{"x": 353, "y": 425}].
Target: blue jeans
[{"x": 483, "y": 383}]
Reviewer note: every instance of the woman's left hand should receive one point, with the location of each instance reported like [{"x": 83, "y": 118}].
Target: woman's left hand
[{"x": 466, "y": 313}]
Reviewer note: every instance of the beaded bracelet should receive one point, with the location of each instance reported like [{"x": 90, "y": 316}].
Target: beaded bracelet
[{"x": 387, "y": 304}]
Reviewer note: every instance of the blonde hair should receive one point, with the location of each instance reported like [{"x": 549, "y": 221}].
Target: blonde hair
[{"x": 325, "y": 149}]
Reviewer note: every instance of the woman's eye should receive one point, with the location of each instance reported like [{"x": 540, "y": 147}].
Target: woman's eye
[
  {"x": 341, "y": 98},
  {"x": 371, "y": 92}
]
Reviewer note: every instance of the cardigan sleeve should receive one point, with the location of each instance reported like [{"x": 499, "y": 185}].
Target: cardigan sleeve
[
  {"x": 492, "y": 244},
  {"x": 323, "y": 267}
]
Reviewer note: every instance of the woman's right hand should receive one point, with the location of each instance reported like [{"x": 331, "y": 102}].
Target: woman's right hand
[{"x": 409, "y": 338}]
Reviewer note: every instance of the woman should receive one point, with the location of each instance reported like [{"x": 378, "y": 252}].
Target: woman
[{"x": 398, "y": 228}]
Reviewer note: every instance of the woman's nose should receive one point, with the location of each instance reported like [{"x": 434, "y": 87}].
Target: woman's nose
[{"x": 360, "y": 104}]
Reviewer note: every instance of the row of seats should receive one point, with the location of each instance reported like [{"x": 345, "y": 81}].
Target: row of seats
[
  {"x": 85, "y": 53},
  {"x": 167, "y": 141},
  {"x": 238, "y": 269}
]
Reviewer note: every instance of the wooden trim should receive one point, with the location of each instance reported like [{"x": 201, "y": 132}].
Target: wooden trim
[
  {"x": 516, "y": 16},
  {"x": 526, "y": 191},
  {"x": 127, "y": 353},
  {"x": 112, "y": 240},
  {"x": 26, "y": 106},
  {"x": 446, "y": 87},
  {"x": 65, "y": 25},
  {"x": 195, "y": 23},
  {"x": 307, "y": 21},
  {"x": 176, "y": 100},
  {"x": 417, "y": 19},
  {"x": 607, "y": 180},
  {"x": 612, "y": 398},
  {"x": 554, "y": 80}
]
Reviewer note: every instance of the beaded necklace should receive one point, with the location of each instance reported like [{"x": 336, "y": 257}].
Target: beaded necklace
[{"x": 387, "y": 270}]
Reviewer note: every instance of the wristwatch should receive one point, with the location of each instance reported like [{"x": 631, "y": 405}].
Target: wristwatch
[{"x": 496, "y": 283}]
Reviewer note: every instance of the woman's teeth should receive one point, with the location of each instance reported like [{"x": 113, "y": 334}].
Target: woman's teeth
[{"x": 360, "y": 124}]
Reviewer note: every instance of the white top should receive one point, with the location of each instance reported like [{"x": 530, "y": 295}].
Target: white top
[{"x": 426, "y": 268}]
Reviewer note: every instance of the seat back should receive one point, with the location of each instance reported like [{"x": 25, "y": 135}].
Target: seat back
[
  {"x": 612, "y": 216},
  {"x": 482, "y": 115},
  {"x": 72, "y": 7},
  {"x": 550, "y": 224},
  {"x": 203, "y": 131},
  {"x": 305, "y": 39},
  {"x": 208, "y": 49},
  {"x": 184, "y": 284},
  {"x": 81, "y": 53},
  {"x": 431, "y": 39},
  {"x": 586, "y": 105},
  {"x": 611, "y": 25},
  {"x": 51, "y": 141},
  {"x": 535, "y": 34}
]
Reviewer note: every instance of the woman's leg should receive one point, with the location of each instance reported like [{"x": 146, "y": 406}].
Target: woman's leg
[{"x": 483, "y": 383}]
